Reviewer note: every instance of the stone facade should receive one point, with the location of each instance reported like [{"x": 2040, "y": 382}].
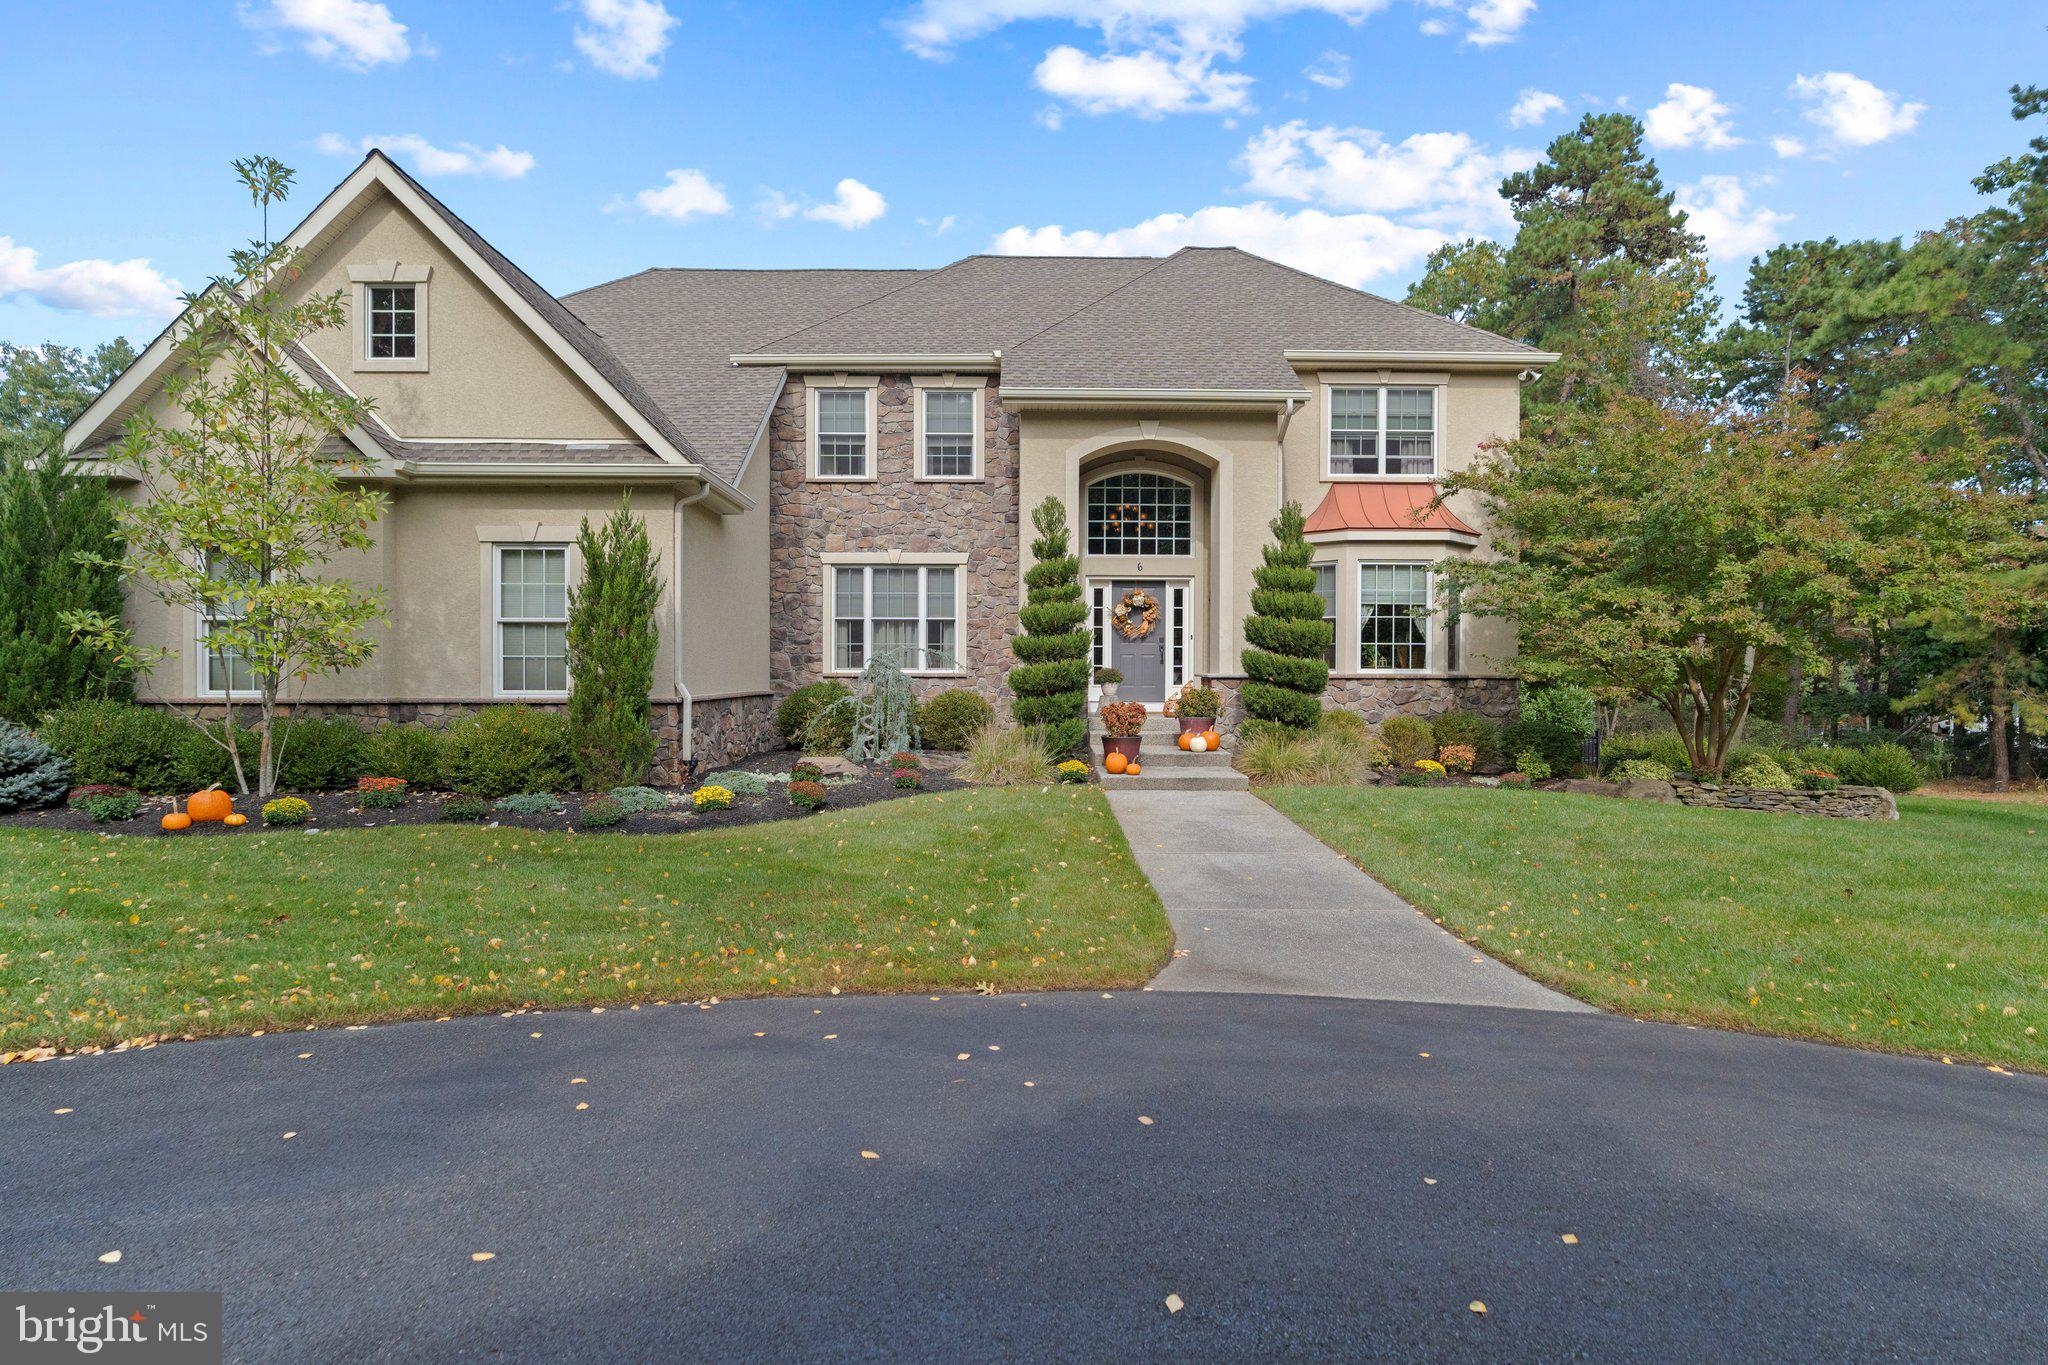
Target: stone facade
[
  {"x": 1843, "y": 803},
  {"x": 1375, "y": 699},
  {"x": 728, "y": 730},
  {"x": 809, "y": 519}
]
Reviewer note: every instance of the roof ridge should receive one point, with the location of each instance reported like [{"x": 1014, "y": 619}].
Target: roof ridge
[
  {"x": 924, "y": 278},
  {"x": 1364, "y": 293},
  {"x": 1157, "y": 261}
]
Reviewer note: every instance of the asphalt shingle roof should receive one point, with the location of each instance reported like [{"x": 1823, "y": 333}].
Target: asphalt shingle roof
[{"x": 679, "y": 329}]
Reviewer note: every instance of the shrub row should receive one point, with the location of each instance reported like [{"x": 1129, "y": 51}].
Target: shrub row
[
  {"x": 495, "y": 752},
  {"x": 1883, "y": 764}
]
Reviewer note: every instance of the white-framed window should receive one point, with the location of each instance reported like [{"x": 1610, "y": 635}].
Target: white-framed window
[
  {"x": 222, "y": 672},
  {"x": 531, "y": 620},
  {"x": 391, "y": 329},
  {"x": 843, "y": 433},
  {"x": 1381, "y": 431},
  {"x": 1393, "y": 618},
  {"x": 1140, "y": 514},
  {"x": 1326, "y": 588},
  {"x": 948, "y": 433},
  {"x": 908, "y": 614}
]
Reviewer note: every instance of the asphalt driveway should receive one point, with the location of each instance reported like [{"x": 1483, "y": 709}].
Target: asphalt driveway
[{"x": 1311, "y": 1184}]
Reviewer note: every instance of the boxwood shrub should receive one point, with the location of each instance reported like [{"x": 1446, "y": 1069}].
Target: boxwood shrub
[
  {"x": 502, "y": 750},
  {"x": 793, "y": 716},
  {"x": 950, "y": 719}
]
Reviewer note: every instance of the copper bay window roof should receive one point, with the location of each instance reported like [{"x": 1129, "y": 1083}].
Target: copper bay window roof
[{"x": 1384, "y": 505}]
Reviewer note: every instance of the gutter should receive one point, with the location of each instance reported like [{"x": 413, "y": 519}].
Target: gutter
[
  {"x": 1014, "y": 396},
  {"x": 911, "y": 362},
  {"x": 1452, "y": 359}
]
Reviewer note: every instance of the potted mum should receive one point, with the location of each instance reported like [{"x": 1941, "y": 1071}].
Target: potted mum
[
  {"x": 1107, "y": 679},
  {"x": 1122, "y": 722},
  {"x": 1197, "y": 709}
]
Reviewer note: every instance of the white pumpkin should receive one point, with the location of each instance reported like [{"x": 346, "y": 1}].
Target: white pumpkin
[{"x": 1199, "y": 744}]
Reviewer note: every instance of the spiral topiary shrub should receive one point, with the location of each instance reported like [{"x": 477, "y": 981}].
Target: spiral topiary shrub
[
  {"x": 32, "y": 774},
  {"x": 1286, "y": 637},
  {"x": 1051, "y": 675}
]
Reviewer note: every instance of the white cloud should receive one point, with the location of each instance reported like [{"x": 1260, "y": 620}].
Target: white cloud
[
  {"x": 1534, "y": 107},
  {"x": 1717, "y": 207},
  {"x": 1855, "y": 112},
  {"x": 1442, "y": 180},
  {"x": 1791, "y": 148},
  {"x": 624, "y": 37},
  {"x": 1492, "y": 21},
  {"x": 105, "y": 289},
  {"x": 1332, "y": 70},
  {"x": 854, "y": 206},
  {"x": 689, "y": 194},
  {"x": 940, "y": 228},
  {"x": 1352, "y": 248},
  {"x": 353, "y": 33},
  {"x": 464, "y": 158},
  {"x": 1690, "y": 116},
  {"x": 1148, "y": 84}
]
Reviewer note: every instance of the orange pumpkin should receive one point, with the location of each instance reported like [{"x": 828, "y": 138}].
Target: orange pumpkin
[
  {"x": 234, "y": 820},
  {"x": 211, "y": 804},
  {"x": 1215, "y": 740},
  {"x": 1184, "y": 740},
  {"x": 1116, "y": 763},
  {"x": 1133, "y": 770},
  {"x": 176, "y": 821}
]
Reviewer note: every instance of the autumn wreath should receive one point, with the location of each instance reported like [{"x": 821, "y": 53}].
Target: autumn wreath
[{"x": 1135, "y": 615}]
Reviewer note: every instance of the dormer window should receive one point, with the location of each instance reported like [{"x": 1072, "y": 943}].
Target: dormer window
[
  {"x": 1379, "y": 431},
  {"x": 394, "y": 322},
  {"x": 390, "y": 315}
]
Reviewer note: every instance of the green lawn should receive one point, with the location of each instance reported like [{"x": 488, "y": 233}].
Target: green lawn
[
  {"x": 1928, "y": 935},
  {"x": 105, "y": 939}
]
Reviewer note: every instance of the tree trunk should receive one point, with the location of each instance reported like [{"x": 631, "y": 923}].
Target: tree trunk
[
  {"x": 2001, "y": 757},
  {"x": 1795, "y": 678}
]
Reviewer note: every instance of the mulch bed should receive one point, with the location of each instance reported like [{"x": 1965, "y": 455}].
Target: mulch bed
[{"x": 338, "y": 810}]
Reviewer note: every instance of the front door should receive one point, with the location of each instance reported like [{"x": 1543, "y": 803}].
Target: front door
[{"x": 1137, "y": 646}]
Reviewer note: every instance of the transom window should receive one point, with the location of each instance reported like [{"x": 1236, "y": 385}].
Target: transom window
[
  {"x": 949, "y": 433},
  {"x": 905, "y": 614},
  {"x": 222, "y": 669},
  {"x": 1140, "y": 514},
  {"x": 394, "y": 322},
  {"x": 1393, "y": 618},
  {"x": 1382, "y": 431},
  {"x": 533, "y": 618},
  {"x": 1326, "y": 588},
  {"x": 842, "y": 434}
]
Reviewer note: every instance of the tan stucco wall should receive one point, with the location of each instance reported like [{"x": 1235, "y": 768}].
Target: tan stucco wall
[
  {"x": 488, "y": 377},
  {"x": 725, "y": 614}
]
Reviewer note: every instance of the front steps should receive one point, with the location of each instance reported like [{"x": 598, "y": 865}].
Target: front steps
[{"x": 1163, "y": 766}]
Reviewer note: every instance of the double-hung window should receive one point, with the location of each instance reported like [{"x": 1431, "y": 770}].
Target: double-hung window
[
  {"x": 393, "y": 333},
  {"x": 532, "y": 619},
  {"x": 948, "y": 433},
  {"x": 1326, "y": 588},
  {"x": 842, "y": 437},
  {"x": 905, "y": 614},
  {"x": 1382, "y": 431},
  {"x": 221, "y": 669},
  {"x": 1393, "y": 618}
]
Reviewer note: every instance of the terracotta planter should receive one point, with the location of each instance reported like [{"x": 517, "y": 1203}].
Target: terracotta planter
[
  {"x": 1195, "y": 725},
  {"x": 1127, "y": 745}
]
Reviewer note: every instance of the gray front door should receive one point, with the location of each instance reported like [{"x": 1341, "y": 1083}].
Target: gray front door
[{"x": 1142, "y": 661}]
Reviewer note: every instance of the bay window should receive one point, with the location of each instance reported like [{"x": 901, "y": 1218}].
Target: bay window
[{"x": 1393, "y": 618}]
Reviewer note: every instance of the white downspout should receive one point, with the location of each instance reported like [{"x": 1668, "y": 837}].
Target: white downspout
[
  {"x": 1280, "y": 452},
  {"x": 682, "y": 688}
]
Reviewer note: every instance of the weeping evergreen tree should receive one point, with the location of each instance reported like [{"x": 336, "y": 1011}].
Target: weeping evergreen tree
[
  {"x": 612, "y": 641},
  {"x": 1286, "y": 634},
  {"x": 1051, "y": 676}
]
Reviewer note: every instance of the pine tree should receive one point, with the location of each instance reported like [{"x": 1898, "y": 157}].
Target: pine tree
[
  {"x": 48, "y": 514},
  {"x": 1051, "y": 676},
  {"x": 612, "y": 641},
  {"x": 1287, "y": 636}
]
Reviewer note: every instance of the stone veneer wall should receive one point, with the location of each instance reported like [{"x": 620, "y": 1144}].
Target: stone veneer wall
[
  {"x": 728, "y": 729},
  {"x": 894, "y": 512},
  {"x": 1843, "y": 803},
  {"x": 1375, "y": 699}
]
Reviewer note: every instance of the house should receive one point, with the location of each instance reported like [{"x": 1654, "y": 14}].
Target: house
[{"x": 836, "y": 463}]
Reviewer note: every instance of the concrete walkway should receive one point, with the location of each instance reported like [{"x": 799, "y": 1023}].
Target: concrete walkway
[{"x": 1259, "y": 905}]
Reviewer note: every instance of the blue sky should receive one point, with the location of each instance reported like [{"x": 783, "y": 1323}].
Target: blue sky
[{"x": 593, "y": 138}]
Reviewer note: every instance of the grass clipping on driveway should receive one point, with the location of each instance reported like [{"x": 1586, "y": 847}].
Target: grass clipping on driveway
[
  {"x": 1928, "y": 935},
  {"x": 110, "y": 939}
]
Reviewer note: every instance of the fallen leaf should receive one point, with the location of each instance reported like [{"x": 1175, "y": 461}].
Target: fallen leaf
[
  {"x": 962, "y": 1057},
  {"x": 830, "y": 1036},
  {"x": 533, "y": 1035},
  {"x": 582, "y": 1105},
  {"x": 483, "y": 1255},
  {"x": 993, "y": 1048},
  {"x": 304, "y": 1055},
  {"x": 578, "y": 1080},
  {"x": 870, "y": 1156},
  {"x": 1477, "y": 1307},
  {"x": 1422, "y": 1054},
  {"x": 1173, "y": 1303},
  {"x": 289, "y": 1136},
  {"x": 110, "y": 1258},
  {"x": 1570, "y": 1239},
  {"x": 60, "y": 1111},
  {"x": 1145, "y": 1120},
  {"x": 760, "y": 1035},
  {"x": 1429, "y": 1180}
]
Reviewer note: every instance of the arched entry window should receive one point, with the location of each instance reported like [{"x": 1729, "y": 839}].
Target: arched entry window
[{"x": 1140, "y": 514}]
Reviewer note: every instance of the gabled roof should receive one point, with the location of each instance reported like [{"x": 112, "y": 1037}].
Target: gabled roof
[
  {"x": 1384, "y": 505},
  {"x": 1221, "y": 319},
  {"x": 678, "y": 329}
]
